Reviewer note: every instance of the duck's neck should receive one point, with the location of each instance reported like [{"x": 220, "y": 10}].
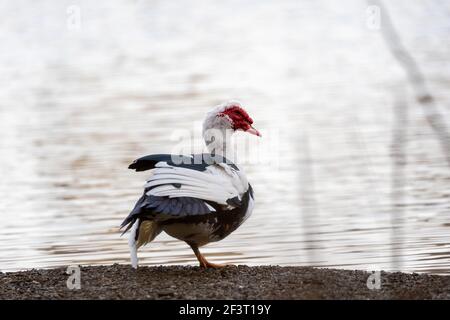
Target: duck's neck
[{"x": 217, "y": 140}]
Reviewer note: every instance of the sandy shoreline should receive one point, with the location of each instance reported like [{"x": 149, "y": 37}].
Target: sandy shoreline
[{"x": 242, "y": 282}]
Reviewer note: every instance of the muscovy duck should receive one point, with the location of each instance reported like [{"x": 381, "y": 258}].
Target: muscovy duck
[{"x": 199, "y": 198}]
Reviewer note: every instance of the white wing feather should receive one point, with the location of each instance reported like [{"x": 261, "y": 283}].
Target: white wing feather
[{"x": 217, "y": 183}]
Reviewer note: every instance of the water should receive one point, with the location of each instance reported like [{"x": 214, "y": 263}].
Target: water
[{"x": 78, "y": 105}]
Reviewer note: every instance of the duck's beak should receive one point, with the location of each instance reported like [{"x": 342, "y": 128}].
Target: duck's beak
[{"x": 253, "y": 131}]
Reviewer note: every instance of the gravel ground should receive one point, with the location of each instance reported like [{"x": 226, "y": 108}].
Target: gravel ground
[{"x": 231, "y": 282}]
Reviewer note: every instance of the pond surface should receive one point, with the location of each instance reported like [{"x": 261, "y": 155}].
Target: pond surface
[{"x": 79, "y": 102}]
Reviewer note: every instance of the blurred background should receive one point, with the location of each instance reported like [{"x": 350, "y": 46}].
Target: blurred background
[{"x": 352, "y": 99}]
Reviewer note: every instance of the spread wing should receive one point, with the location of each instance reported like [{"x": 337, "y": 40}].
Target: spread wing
[{"x": 187, "y": 185}]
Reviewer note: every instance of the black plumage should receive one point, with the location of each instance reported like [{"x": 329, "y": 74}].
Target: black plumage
[{"x": 197, "y": 162}]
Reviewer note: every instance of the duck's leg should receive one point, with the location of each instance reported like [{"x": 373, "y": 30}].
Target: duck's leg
[{"x": 203, "y": 262}]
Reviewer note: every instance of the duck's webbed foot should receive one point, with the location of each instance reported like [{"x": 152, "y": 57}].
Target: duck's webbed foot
[{"x": 203, "y": 262}]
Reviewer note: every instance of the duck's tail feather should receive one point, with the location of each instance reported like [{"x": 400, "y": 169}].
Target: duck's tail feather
[
  {"x": 142, "y": 232},
  {"x": 132, "y": 243}
]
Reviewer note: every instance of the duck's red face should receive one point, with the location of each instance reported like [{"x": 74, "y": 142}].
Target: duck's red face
[{"x": 239, "y": 119}]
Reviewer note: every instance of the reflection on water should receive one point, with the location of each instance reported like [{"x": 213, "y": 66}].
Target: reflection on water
[{"x": 76, "y": 106}]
